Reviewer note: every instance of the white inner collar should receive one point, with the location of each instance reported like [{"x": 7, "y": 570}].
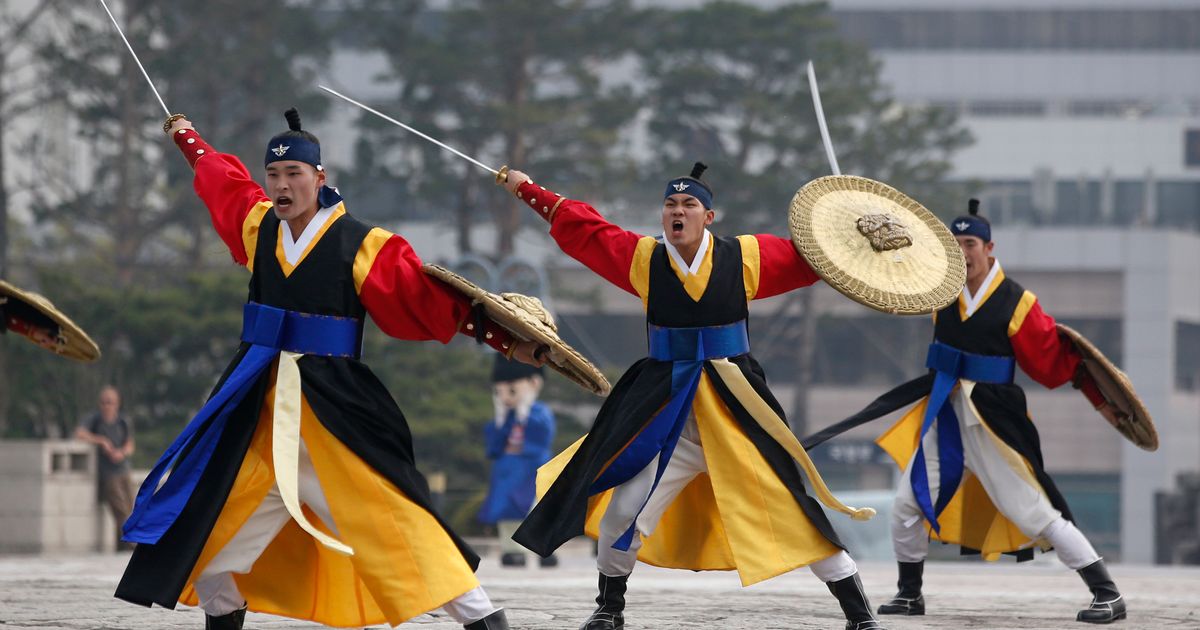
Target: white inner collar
[
  {"x": 293, "y": 248},
  {"x": 700, "y": 252},
  {"x": 973, "y": 301}
]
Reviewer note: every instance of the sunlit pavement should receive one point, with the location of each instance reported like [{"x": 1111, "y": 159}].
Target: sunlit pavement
[{"x": 76, "y": 592}]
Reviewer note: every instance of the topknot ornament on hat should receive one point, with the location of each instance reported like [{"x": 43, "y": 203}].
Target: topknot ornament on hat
[
  {"x": 972, "y": 224},
  {"x": 692, "y": 185}
]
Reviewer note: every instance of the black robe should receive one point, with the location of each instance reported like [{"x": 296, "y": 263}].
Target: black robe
[
  {"x": 645, "y": 388},
  {"x": 1001, "y": 405},
  {"x": 347, "y": 398}
]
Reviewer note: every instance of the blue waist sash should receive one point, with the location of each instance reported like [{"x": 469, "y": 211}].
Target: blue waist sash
[
  {"x": 698, "y": 344},
  {"x": 687, "y": 349},
  {"x": 950, "y": 364},
  {"x": 269, "y": 331}
]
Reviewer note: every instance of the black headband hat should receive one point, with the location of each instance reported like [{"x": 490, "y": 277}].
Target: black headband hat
[
  {"x": 692, "y": 185},
  {"x": 301, "y": 146},
  {"x": 972, "y": 224},
  {"x": 506, "y": 370}
]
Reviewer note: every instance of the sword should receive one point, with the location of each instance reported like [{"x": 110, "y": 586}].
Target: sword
[
  {"x": 816, "y": 96},
  {"x": 501, "y": 173},
  {"x": 135, "y": 57}
]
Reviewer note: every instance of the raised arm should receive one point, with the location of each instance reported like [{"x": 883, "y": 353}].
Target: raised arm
[
  {"x": 235, "y": 201},
  {"x": 780, "y": 268},
  {"x": 581, "y": 232}
]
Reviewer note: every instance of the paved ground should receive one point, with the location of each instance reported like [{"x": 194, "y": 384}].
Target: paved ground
[{"x": 75, "y": 592}]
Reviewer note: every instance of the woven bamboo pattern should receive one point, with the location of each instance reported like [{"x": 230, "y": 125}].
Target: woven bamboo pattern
[
  {"x": 1136, "y": 425},
  {"x": 911, "y": 280},
  {"x": 72, "y": 342},
  {"x": 526, "y": 319}
]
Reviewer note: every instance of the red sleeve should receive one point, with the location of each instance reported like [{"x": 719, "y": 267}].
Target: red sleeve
[
  {"x": 1041, "y": 353},
  {"x": 584, "y": 235},
  {"x": 224, "y": 185},
  {"x": 22, "y": 327},
  {"x": 407, "y": 303},
  {"x": 781, "y": 267}
]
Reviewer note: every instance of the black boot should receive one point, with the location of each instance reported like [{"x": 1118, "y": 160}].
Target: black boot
[
  {"x": 232, "y": 621},
  {"x": 494, "y": 621},
  {"x": 512, "y": 559},
  {"x": 1107, "y": 604},
  {"x": 908, "y": 600},
  {"x": 853, "y": 599},
  {"x": 609, "y": 615},
  {"x": 549, "y": 561}
]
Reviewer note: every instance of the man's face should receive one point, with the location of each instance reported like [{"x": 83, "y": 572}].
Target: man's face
[
  {"x": 976, "y": 253},
  {"x": 293, "y": 187},
  {"x": 110, "y": 404},
  {"x": 684, "y": 219}
]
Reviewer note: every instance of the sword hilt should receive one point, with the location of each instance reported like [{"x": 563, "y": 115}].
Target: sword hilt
[
  {"x": 502, "y": 174},
  {"x": 171, "y": 121}
]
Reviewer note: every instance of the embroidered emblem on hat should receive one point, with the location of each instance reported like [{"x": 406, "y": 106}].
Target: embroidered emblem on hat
[
  {"x": 681, "y": 186},
  {"x": 280, "y": 150},
  {"x": 962, "y": 226}
]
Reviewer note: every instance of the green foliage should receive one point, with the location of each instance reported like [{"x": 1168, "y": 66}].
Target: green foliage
[
  {"x": 505, "y": 80},
  {"x": 163, "y": 347}
]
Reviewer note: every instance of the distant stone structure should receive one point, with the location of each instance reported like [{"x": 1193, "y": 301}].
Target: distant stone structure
[{"x": 48, "y": 498}]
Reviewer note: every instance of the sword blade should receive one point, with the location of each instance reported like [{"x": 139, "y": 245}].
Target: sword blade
[
  {"x": 411, "y": 130},
  {"x": 135, "y": 57},
  {"x": 816, "y": 97}
]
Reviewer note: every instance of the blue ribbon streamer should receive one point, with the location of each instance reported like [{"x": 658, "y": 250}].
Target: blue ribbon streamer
[
  {"x": 269, "y": 330},
  {"x": 687, "y": 349},
  {"x": 950, "y": 364}
]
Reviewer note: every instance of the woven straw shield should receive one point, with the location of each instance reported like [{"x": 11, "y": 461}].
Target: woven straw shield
[
  {"x": 71, "y": 341},
  {"x": 1134, "y": 420},
  {"x": 526, "y": 319},
  {"x": 876, "y": 245}
]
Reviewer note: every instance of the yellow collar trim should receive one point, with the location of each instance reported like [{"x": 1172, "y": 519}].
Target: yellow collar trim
[
  {"x": 962, "y": 297},
  {"x": 696, "y": 283},
  {"x": 282, "y": 258}
]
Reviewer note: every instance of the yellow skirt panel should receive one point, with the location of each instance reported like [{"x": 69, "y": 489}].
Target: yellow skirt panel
[
  {"x": 970, "y": 519},
  {"x": 737, "y": 516},
  {"x": 404, "y": 563}
]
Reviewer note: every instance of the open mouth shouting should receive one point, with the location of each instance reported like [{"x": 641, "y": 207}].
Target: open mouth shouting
[
  {"x": 283, "y": 203},
  {"x": 676, "y": 227}
]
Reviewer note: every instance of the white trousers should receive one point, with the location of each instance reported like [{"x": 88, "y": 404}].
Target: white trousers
[
  {"x": 217, "y": 590},
  {"x": 1020, "y": 502},
  {"x": 686, "y": 462}
]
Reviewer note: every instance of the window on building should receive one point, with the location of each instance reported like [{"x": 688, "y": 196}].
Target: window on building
[
  {"x": 1075, "y": 202},
  {"x": 1191, "y": 147},
  {"x": 1006, "y": 108},
  {"x": 1179, "y": 205},
  {"x": 1034, "y": 28},
  {"x": 1108, "y": 109},
  {"x": 1187, "y": 356},
  {"x": 1010, "y": 203}
]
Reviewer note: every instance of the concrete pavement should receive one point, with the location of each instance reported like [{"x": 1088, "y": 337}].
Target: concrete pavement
[{"x": 75, "y": 592}]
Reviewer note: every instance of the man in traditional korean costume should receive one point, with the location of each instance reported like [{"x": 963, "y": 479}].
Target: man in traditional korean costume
[
  {"x": 686, "y": 465},
  {"x": 294, "y": 491},
  {"x": 972, "y": 460}
]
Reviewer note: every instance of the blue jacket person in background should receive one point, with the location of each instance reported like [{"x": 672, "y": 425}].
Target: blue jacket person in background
[{"x": 518, "y": 441}]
